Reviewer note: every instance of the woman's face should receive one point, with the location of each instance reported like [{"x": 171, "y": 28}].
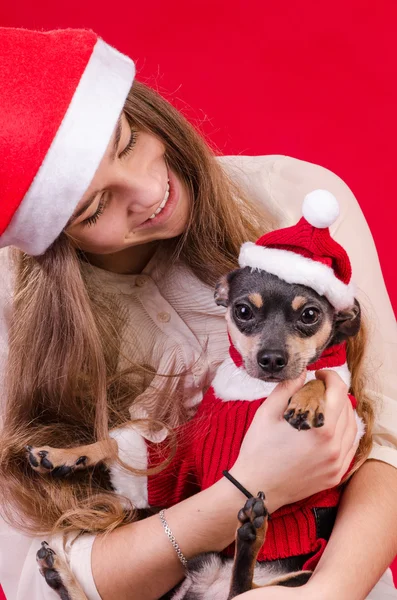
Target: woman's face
[{"x": 134, "y": 198}]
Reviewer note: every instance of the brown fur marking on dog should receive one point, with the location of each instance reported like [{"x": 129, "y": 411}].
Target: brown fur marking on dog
[
  {"x": 298, "y": 302},
  {"x": 306, "y": 348},
  {"x": 289, "y": 577},
  {"x": 306, "y": 408},
  {"x": 247, "y": 345},
  {"x": 256, "y": 299}
]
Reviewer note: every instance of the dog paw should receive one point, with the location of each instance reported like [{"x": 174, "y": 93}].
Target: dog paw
[
  {"x": 55, "y": 461},
  {"x": 253, "y": 518},
  {"x": 306, "y": 407},
  {"x": 303, "y": 419},
  {"x": 51, "y": 567}
]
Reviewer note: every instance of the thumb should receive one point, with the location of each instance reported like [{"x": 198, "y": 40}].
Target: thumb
[{"x": 277, "y": 400}]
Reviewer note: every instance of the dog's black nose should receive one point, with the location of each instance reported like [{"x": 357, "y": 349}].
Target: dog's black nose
[{"x": 272, "y": 361}]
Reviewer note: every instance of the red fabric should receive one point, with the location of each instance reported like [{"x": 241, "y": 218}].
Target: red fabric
[
  {"x": 312, "y": 562},
  {"x": 32, "y": 113},
  {"x": 310, "y": 242},
  {"x": 305, "y": 79},
  {"x": 292, "y": 529},
  {"x": 331, "y": 357},
  {"x": 235, "y": 354},
  {"x": 177, "y": 481},
  {"x": 210, "y": 443}
]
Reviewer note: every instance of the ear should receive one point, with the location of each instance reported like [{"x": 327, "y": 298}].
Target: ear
[
  {"x": 221, "y": 294},
  {"x": 347, "y": 322}
]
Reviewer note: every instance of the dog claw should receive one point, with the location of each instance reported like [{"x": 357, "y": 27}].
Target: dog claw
[
  {"x": 289, "y": 414},
  {"x": 299, "y": 421},
  {"x": 319, "y": 420},
  {"x": 63, "y": 471},
  {"x": 31, "y": 457}
]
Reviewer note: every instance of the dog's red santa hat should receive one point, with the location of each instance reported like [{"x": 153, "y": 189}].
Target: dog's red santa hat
[
  {"x": 62, "y": 93},
  {"x": 306, "y": 253}
]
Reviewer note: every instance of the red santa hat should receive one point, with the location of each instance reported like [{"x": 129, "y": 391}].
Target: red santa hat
[
  {"x": 305, "y": 253},
  {"x": 62, "y": 93}
]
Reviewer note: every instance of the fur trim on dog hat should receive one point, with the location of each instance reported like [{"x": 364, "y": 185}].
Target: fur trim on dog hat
[
  {"x": 305, "y": 253},
  {"x": 62, "y": 93}
]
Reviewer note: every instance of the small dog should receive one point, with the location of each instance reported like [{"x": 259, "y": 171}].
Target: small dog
[{"x": 278, "y": 329}]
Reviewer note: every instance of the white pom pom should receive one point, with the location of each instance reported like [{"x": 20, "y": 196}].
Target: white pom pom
[{"x": 320, "y": 208}]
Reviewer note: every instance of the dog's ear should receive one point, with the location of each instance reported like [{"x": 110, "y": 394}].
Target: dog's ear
[
  {"x": 347, "y": 322},
  {"x": 222, "y": 288},
  {"x": 221, "y": 294}
]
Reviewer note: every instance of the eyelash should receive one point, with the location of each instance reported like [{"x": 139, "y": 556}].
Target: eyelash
[
  {"x": 102, "y": 203},
  {"x": 94, "y": 218},
  {"x": 130, "y": 144}
]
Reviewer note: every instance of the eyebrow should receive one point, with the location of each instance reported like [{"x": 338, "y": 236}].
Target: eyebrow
[{"x": 91, "y": 199}]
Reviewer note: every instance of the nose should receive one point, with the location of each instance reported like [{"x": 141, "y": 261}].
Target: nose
[
  {"x": 272, "y": 361},
  {"x": 144, "y": 193}
]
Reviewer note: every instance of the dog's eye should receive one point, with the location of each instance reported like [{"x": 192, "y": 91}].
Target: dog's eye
[
  {"x": 243, "y": 312},
  {"x": 310, "y": 316}
]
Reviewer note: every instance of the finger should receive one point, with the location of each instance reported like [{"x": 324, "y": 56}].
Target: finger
[
  {"x": 349, "y": 444},
  {"x": 331, "y": 379},
  {"x": 349, "y": 457},
  {"x": 344, "y": 438},
  {"x": 346, "y": 429},
  {"x": 335, "y": 397},
  {"x": 277, "y": 400}
]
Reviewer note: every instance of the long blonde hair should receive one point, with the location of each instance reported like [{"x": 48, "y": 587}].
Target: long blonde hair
[{"x": 64, "y": 385}]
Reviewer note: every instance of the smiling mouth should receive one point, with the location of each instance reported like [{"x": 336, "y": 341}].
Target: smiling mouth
[{"x": 163, "y": 203}]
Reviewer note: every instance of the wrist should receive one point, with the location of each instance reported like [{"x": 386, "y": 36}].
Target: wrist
[{"x": 273, "y": 498}]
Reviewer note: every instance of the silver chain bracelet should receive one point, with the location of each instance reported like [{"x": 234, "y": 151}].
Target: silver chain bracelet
[{"x": 172, "y": 539}]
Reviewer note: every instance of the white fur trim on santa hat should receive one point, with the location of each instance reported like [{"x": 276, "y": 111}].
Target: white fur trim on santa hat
[
  {"x": 75, "y": 152},
  {"x": 133, "y": 452},
  {"x": 234, "y": 383},
  {"x": 294, "y": 268}
]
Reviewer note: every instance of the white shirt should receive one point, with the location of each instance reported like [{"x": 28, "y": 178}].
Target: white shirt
[{"x": 173, "y": 318}]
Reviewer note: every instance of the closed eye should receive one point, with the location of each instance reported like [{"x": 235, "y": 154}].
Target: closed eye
[
  {"x": 94, "y": 218},
  {"x": 130, "y": 145}
]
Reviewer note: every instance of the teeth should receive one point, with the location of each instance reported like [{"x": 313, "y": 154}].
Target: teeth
[{"x": 163, "y": 203}]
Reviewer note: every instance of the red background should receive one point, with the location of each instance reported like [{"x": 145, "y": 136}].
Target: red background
[{"x": 315, "y": 80}]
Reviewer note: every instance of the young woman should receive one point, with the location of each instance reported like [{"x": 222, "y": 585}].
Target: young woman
[{"x": 116, "y": 221}]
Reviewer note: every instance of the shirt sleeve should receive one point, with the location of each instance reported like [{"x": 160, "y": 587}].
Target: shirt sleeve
[
  {"x": 281, "y": 183},
  {"x": 19, "y": 574}
]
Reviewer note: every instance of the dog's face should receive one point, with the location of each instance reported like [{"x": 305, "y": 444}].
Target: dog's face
[{"x": 280, "y": 328}]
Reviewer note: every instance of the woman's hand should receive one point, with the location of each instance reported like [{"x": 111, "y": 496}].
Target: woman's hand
[{"x": 287, "y": 464}]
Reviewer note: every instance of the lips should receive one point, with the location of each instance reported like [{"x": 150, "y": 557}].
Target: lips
[{"x": 169, "y": 203}]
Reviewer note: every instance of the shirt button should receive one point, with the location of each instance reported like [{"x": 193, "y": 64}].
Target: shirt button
[
  {"x": 164, "y": 317},
  {"x": 140, "y": 281}
]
